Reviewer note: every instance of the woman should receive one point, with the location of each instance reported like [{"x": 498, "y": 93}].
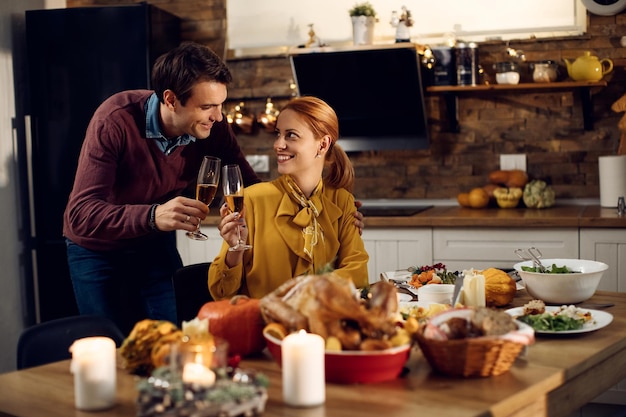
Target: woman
[{"x": 300, "y": 222}]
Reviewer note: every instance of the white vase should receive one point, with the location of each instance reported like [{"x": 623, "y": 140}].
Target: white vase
[{"x": 363, "y": 29}]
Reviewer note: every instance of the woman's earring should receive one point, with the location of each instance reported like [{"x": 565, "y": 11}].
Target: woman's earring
[{"x": 318, "y": 155}]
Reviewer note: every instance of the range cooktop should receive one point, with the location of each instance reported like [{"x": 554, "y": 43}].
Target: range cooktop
[{"x": 377, "y": 211}]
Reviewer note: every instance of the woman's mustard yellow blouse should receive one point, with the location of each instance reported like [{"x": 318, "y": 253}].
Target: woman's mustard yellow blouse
[{"x": 275, "y": 223}]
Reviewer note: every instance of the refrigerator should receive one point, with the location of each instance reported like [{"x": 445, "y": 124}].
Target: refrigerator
[{"x": 75, "y": 59}]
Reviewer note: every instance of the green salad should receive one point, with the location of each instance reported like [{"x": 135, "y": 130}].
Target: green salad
[
  {"x": 550, "y": 270},
  {"x": 552, "y": 322}
]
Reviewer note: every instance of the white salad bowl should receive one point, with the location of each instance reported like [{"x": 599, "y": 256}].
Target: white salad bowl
[{"x": 568, "y": 288}]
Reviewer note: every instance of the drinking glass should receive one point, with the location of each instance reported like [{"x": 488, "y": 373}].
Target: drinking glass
[
  {"x": 233, "y": 193},
  {"x": 206, "y": 187}
]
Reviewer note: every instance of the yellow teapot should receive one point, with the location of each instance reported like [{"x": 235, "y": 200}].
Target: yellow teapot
[{"x": 588, "y": 67}]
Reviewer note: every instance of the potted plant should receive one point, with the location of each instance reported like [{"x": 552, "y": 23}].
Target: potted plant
[
  {"x": 363, "y": 18},
  {"x": 363, "y": 9}
]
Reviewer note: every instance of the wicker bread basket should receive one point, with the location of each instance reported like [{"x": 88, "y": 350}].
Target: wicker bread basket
[{"x": 474, "y": 357}]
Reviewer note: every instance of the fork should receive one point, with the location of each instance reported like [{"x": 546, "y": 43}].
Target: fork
[{"x": 531, "y": 254}]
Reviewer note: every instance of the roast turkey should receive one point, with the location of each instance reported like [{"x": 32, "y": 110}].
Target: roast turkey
[{"x": 330, "y": 305}]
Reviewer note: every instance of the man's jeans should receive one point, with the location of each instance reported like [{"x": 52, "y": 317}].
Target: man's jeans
[{"x": 126, "y": 285}]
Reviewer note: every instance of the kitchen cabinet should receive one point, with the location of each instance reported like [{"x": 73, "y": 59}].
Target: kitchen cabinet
[
  {"x": 397, "y": 248},
  {"x": 452, "y": 93},
  {"x": 608, "y": 246},
  {"x": 389, "y": 248},
  {"x": 458, "y": 248},
  {"x": 468, "y": 247}
]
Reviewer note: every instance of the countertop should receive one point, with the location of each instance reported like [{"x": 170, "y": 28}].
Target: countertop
[
  {"x": 558, "y": 216},
  {"x": 447, "y": 213}
]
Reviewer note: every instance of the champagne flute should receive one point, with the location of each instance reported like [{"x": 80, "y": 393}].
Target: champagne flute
[
  {"x": 233, "y": 193},
  {"x": 206, "y": 187}
]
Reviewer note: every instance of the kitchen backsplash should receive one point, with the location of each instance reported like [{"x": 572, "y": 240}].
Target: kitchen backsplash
[{"x": 546, "y": 125}]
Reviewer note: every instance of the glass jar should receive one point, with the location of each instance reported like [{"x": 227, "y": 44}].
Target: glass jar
[
  {"x": 507, "y": 72},
  {"x": 544, "y": 71},
  {"x": 467, "y": 65}
]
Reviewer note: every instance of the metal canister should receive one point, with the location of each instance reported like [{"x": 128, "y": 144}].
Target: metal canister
[
  {"x": 444, "y": 69},
  {"x": 466, "y": 63}
]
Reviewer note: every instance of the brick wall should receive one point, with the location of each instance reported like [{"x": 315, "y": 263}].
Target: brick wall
[{"x": 547, "y": 126}]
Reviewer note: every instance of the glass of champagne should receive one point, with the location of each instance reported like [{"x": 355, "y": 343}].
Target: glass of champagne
[
  {"x": 206, "y": 187},
  {"x": 233, "y": 193}
]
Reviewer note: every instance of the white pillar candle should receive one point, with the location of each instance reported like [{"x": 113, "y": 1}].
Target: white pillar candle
[
  {"x": 93, "y": 365},
  {"x": 473, "y": 289},
  {"x": 304, "y": 382}
]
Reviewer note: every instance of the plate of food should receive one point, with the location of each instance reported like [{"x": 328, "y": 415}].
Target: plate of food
[
  {"x": 421, "y": 275},
  {"x": 399, "y": 276},
  {"x": 566, "y": 319}
]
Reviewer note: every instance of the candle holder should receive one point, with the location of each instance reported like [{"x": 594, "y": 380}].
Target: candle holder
[
  {"x": 197, "y": 381},
  {"x": 200, "y": 362}
]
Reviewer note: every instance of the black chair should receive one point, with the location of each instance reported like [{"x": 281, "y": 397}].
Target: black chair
[
  {"x": 191, "y": 290},
  {"x": 50, "y": 341}
]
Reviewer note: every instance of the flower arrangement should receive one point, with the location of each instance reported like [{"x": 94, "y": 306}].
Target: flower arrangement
[
  {"x": 431, "y": 274},
  {"x": 363, "y": 9}
]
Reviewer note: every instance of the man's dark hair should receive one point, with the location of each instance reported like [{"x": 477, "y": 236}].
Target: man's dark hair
[{"x": 182, "y": 67}]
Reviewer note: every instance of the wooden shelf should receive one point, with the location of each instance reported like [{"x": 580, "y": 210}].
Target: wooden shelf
[
  {"x": 563, "y": 85},
  {"x": 451, "y": 93}
]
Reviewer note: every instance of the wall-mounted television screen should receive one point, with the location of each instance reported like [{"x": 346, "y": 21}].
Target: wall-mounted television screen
[{"x": 377, "y": 94}]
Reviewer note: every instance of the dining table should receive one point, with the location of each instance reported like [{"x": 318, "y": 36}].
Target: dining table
[{"x": 554, "y": 376}]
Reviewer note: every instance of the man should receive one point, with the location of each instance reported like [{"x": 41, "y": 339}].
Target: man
[{"x": 134, "y": 186}]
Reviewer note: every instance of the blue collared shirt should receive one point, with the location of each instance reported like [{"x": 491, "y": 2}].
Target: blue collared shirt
[{"x": 153, "y": 129}]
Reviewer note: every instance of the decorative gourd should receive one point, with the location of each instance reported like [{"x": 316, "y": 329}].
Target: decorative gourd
[
  {"x": 500, "y": 288},
  {"x": 509, "y": 178},
  {"x": 507, "y": 197},
  {"x": 238, "y": 321},
  {"x": 538, "y": 194}
]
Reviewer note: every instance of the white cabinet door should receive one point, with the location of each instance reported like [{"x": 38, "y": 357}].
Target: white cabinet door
[
  {"x": 464, "y": 248},
  {"x": 396, "y": 248},
  {"x": 608, "y": 246},
  {"x": 197, "y": 251}
]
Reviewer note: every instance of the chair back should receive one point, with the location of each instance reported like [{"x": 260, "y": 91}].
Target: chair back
[
  {"x": 50, "y": 341},
  {"x": 191, "y": 290}
]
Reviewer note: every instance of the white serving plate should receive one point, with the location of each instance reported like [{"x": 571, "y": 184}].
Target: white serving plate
[{"x": 599, "y": 319}]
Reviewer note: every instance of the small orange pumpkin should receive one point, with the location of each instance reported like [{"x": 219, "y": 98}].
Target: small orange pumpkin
[{"x": 238, "y": 321}]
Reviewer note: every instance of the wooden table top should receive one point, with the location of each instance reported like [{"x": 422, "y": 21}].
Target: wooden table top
[{"x": 556, "y": 376}]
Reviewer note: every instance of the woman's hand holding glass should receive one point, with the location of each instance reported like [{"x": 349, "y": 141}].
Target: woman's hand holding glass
[
  {"x": 232, "y": 226},
  {"x": 232, "y": 184}
]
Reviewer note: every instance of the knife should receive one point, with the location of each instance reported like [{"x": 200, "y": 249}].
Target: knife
[{"x": 458, "y": 284}]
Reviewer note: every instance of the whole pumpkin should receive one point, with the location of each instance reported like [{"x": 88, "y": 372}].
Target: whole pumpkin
[
  {"x": 238, "y": 321},
  {"x": 500, "y": 288}
]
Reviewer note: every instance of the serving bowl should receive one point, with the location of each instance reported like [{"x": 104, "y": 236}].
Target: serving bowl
[
  {"x": 435, "y": 293},
  {"x": 355, "y": 367},
  {"x": 569, "y": 288}
]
